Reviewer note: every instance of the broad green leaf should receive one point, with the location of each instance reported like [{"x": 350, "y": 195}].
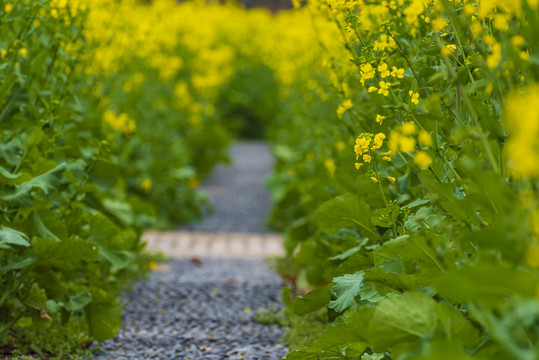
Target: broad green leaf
[
  {"x": 410, "y": 248},
  {"x": 66, "y": 254},
  {"x": 10, "y": 236},
  {"x": 387, "y": 277},
  {"x": 403, "y": 318},
  {"x": 345, "y": 211},
  {"x": 345, "y": 290},
  {"x": 456, "y": 327},
  {"x": 349, "y": 329},
  {"x": 313, "y": 300},
  {"x": 104, "y": 315},
  {"x": 487, "y": 283}
]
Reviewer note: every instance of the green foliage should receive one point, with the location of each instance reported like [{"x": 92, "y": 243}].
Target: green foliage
[{"x": 426, "y": 251}]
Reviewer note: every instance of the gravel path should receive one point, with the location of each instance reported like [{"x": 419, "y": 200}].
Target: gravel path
[
  {"x": 237, "y": 193},
  {"x": 204, "y": 308},
  {"x": 200, "y": 311}
]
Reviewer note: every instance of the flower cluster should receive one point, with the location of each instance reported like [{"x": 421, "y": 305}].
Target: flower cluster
[
  {"x": 365, "y": 146},
  {"x": 122, "y": 122},
  {"x": 406, "y": 138}
]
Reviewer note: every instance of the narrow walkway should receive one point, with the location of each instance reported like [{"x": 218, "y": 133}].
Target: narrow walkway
[
  {"x": 241, "y": 202},
  {"x": 203, "y": 304}
]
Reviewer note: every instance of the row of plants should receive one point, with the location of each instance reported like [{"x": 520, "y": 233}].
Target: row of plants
[
  {"x": 407, "y": 185},
  {"x": 111, "y": 115}
]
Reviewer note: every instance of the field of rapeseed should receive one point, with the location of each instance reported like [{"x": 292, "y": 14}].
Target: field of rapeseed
[{"x": 406, "y": 176}]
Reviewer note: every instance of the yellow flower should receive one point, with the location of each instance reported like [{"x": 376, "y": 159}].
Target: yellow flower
[
  {"x": 378, "y": 140},
  {"x": 384, "y": 88},
  {"x": 367, "y": 158},
  {"x": 500, "y": 22},
  {"x": 495, "y": 56},
  {"x": 415, "y": 96},
  {"x": 384, "y": 72},
  {"x": 522, "y": 121},
  {"x": 372, "y": 89},
  {"x": 391, "y": 178},
  {"x": 146, "y": 185},
  {"x": 532, "y": 256},
  {"x": 424, "y": 138},
  {"x": 406, "y": 144},
  {"x": 439, "y": 23},
  {"x": 8, "y": 8},
  {"x": 379, "y": 119},
  {"x": 367, "y": 72},
  {"x": 330, "y": 166},
  {"x": 358, "y": 165},
  {"x": 386, "y": 158},
  {"x": 422, "y": 159},
  {"x": 408, "y": 128},
  {"x": 476, "y": 28},
  {"x": 469, "y": 9},
  {"x": 448, "y": 50},
  {"x": 3, "y": 53},
  {"x": 362, "y": 145},
  {"x": 346, "y": 105},
  {"x": 246, "y": 310},
  {"x": 518, "y": 41},
  {"x": 374, "y": 179},
  {"x": 23, "y": 52},
  {"x": 397, "y": 72}
]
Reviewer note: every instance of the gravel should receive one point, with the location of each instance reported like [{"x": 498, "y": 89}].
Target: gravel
[
  {"x": 200, "y": 310},
  {"x": 240, "y": 200}
]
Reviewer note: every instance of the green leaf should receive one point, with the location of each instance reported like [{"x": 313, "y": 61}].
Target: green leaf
[
  {"x": 424, "y": 219},
  {"x": 104, "y": 315},
  {"x": 348, "y": 331},
  {"x": 7, "y": 175},
  {"x": 314, "y": 300},
  {"x": 345, "y": 290},
  {"x": 78, "y": 301},
  {"x": 402, "y": 318},
  {"x": 36, "y": 297},
  {"x": 44, "y": 231},
  {"x": 456, "y": 327},
  {"x": 10, "y": 236},
  {"x": 66, "y": 254},
  {"x": 488, "y": 284},
  {"x": 410, "y": 248},
  {"x": 120, "y": 210},
  {"x": 21, "y": 195},
  {"x": 345, "y": 211},
  {"x": 444, "y": 193}
]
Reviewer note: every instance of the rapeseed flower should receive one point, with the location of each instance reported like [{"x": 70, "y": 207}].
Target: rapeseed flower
[
  {"x": 414, "y": 97},
  {"x": 422, "y": 159},
  {"x": 384, "y": 88},
  {"x": 384, "y": 72},
  {"x": 398, "y": 73}
]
